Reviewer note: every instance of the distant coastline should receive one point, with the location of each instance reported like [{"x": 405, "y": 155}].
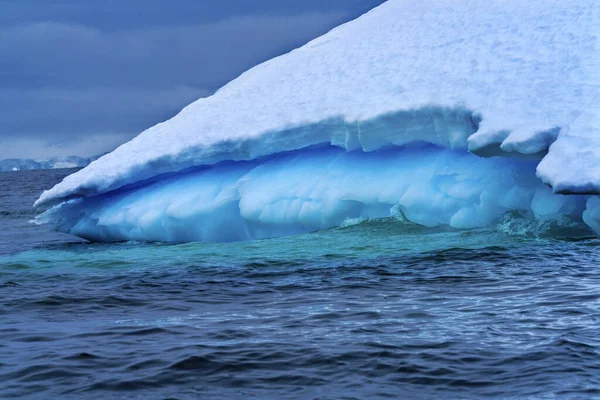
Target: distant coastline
[{"x": 27, "y": 164}]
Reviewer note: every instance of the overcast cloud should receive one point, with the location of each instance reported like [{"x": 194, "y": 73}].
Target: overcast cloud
[{"x": 81, "y": 77}]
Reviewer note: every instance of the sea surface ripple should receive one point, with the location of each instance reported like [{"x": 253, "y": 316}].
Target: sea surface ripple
[{"x": 378, "y": 309}]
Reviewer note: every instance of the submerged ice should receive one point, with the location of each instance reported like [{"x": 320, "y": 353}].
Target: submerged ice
[{"x": 441, "y": 114}]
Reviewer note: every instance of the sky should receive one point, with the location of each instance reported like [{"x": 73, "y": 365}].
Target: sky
[{"x": 81, "y": 77}]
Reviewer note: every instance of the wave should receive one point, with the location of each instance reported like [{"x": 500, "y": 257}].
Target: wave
[{"x": 514, "y": 223}]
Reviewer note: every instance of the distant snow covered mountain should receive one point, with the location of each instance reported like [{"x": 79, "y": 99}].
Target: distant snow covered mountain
[{"x": 22, "y": 164}]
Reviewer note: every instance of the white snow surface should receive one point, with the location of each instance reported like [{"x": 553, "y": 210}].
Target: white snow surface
[{"x": 494, "y": 77}]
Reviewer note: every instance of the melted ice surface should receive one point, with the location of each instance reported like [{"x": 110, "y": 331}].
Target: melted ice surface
[{"x": 315, "y": 189}]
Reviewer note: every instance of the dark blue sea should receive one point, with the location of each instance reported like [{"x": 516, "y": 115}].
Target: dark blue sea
[{"x": 372, "y": 310}]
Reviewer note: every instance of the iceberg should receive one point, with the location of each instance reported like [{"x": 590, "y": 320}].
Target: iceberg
[{"x": 443, "y": 113}]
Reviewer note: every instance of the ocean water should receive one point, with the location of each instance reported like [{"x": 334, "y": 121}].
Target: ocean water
[{"x": 373, "y": 309}]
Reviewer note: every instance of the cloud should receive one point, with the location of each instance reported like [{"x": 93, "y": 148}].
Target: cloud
[
  {"x": 42, "y": 149},
  {"x": 112, "y": 15},
  {"x": 60, "y": 82},
  {"x": 201, "y": 55},
  {"x": 60, "y": 112}
]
